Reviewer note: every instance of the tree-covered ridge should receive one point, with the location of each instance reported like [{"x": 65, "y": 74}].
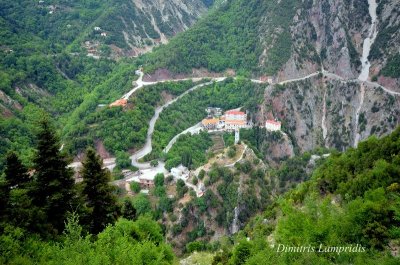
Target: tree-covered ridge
[
  {"x": 70, "y": 23},
  {"x": 247, "y": 36},
  {"x": 227, "y": 38},
  {"x": 120, "y": 129},
  {"x": 90, "y": 82},
  {"x": 352, "y": 200}
]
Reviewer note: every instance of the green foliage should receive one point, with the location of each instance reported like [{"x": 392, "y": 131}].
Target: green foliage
[
  {"x": 16, "y": 175},
  {"x": 241, "y": 253},
  {"x": 351, "y": 200},
  {"x": 154, "y": 163},
  {"x": 123, "y": 160},
  {"x": 143, "y": 238},
  {"x": 135, "y": 187},
  {"x": 229, "y": 139},
  {"x": 227, "y": 38},
  {"x": 159, "y": 180},
  {"x": 392, "y": 67},
  {"x": 142, "y": 204},
  {"x": 373, "y": 164},
  {"x": 97, "y": 193},
  {"x": 18, "y": 134},
  {"x": 127, "y": 210},
  {"x": 17, "y": 208},
  {"x": 201, "y": 175},
  {"x": 181, "y": 188},
  {"x": 189, "y": 150},
  {"x": 53, "y": 187},
  {"x": 231, "y": 151},
  {"x": 119, "y": 128},
  {"x": 196, "y": 246},
  {"x": 382, "y": 40}
]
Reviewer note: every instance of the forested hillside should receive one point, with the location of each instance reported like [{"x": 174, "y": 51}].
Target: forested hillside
[
  {"x": 351, "y": 201},
  {"x": 58, "y": 57},
  {"x": 128, "y": 27}
]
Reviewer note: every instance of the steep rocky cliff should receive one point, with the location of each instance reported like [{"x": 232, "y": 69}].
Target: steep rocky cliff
[
  {"x": 322, "y": 111},
  {"x": 145, "y": 23}
]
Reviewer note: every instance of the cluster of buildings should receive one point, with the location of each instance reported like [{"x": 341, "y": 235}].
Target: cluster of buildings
[{"x": 231, "y": 120}]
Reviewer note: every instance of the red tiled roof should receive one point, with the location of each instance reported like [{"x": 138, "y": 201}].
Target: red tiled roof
[
  {"x": 273, "y": 122},
  {"x": 209, "y": 121},
  {"x": 235, "y": 122},
  {"x": 235, "y": 112}
]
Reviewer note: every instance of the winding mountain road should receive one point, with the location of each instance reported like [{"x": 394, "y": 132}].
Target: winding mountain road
[{"x": 192, "y": 130}]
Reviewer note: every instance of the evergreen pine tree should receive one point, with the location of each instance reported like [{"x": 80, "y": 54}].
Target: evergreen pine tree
[
  {"x": 14, "y": 193},
  {"x": 4, "y": 200},
  {"x": 16, "y": 174},
  {"x": 128, "y": 211},
  {"x": 98, "y": 193},
  {"x": 53, "y": 190}
]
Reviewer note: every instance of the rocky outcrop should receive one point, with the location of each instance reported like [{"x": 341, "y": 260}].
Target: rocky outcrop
[
  {"x": 146, "y": 23},
  {"x": 328, "y": 33},
  {"x": 299, "y": 105}
]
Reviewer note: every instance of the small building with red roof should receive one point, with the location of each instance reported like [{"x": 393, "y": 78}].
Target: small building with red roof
[{"x": 273, "y": 125}]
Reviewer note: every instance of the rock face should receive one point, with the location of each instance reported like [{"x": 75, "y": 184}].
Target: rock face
[
  {"x": 300, "y": 106},
  {"x": 334, "y": 110},
  {"x": 327, "y": 33},
  {"x": 146, "y": 23}
]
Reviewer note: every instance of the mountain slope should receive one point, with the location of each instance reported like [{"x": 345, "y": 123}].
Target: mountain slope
[
  {"x": 323, "y": 111},
  {"x": 347, "y": 213},
  {"x": 128, "y": 27},
  {"x": 288, "y": 39}
]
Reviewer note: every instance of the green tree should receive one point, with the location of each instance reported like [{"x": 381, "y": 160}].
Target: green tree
[
  {"x": 232, "y": 151},
  {"x": 181, "y": 188},
  {"x": 97, "y": 193},
  {"x": 241, "y": 253},
  {"x": 16, "y": 174},
  {"x": 135, "y": 187},
  {"x": 4, "y": 198},
  {"x": 201, "y": 175},
  {"x": 128, "y": 211},
  {"x": 159, "y": 180},
  {"x": 53, "y": 190},
  {"x": 142, "y": 204},
  {"x": 17, "y": 205},
  {"x": 154, "y": 163}
]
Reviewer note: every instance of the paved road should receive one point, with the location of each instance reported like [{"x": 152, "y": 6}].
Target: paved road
[{"x": 192, "y": 130}]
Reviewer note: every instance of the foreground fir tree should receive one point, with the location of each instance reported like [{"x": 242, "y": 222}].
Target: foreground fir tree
[
  {"x": 16, "y": 204},
  {"x": 98, "y": 193},
  {"x": 53, "y": 191},
  {"x": 16, "y": 174}
]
